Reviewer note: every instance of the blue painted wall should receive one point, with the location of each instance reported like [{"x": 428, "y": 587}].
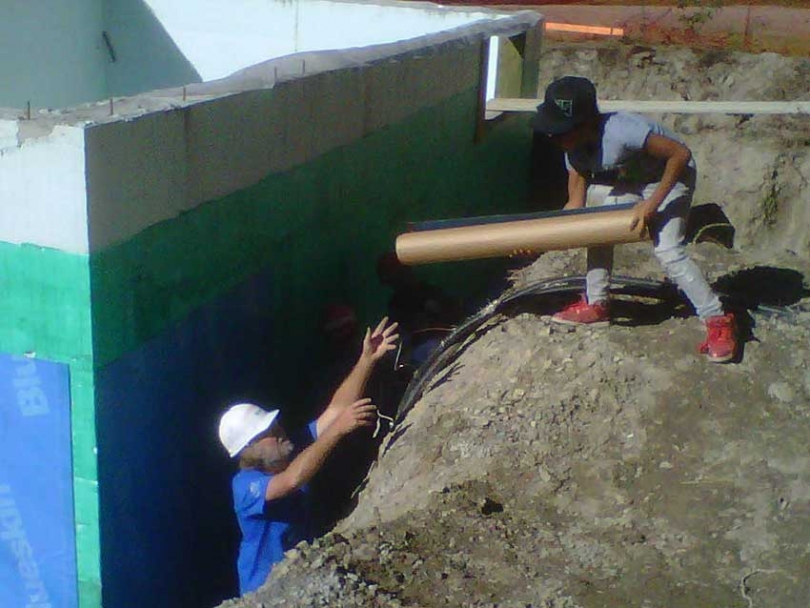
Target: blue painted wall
[{"x": 168, "y": 533}]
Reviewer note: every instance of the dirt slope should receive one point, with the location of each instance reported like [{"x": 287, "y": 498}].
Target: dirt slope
[{"x": 554, "y": 467}]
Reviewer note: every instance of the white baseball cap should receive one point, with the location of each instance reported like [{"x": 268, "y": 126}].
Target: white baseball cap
[{"x": 241, "y": 423}]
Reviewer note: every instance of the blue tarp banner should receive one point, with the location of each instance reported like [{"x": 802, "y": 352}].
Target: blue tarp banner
[{"x": 37, "y": 535}]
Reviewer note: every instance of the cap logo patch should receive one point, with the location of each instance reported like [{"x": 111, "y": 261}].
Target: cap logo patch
[{"x": 566, "y": 105}]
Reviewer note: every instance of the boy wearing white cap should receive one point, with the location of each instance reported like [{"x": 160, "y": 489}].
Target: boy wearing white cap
[
  {"x": 645, "y": 164},
  {"x": 270, "y": 488}
]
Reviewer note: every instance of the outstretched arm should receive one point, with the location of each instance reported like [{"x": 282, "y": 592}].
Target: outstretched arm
[
  {"x": 361, "y": 413},
  {"x": 375, "y": 345}
]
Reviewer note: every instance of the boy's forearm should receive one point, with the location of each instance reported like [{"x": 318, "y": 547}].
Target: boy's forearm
[
  {"x": 672, "y": 172},
  {"x": 677, "y": 157},
  {"x": 577, "y": 188}
]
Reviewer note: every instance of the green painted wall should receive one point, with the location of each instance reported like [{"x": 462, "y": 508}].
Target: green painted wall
[
  {"x": 321, "y": 226},
  {"x": 44, "y": 304},
  {"x": 45, "y": 309}
]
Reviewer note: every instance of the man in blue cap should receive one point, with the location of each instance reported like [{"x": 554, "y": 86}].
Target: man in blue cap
[{"x": 648, "y": 165}]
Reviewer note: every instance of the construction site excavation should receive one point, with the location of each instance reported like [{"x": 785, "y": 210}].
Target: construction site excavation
[
  {"x": 205, "y": 205},
  {"x": 544, "y": 466}
]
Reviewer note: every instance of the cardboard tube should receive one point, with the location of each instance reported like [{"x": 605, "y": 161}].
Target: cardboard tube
[{"x": 587, "y": 228}]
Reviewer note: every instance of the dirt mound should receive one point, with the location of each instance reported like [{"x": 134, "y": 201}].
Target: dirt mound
[
  {"x": 614, "y": 467},
  {"x": 554, "y": 467}
]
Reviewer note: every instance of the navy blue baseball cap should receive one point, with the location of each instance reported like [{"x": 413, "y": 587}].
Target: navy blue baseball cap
[{"x": 569, "y": 102}]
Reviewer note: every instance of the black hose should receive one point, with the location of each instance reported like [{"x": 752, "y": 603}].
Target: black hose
[
  {"x": 447, "y": 348},
  {"x": 442, "y": 355}
]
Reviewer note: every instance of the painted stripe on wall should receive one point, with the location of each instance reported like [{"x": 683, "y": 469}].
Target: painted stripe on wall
[
  {"x": 44, "y": 303},
  {"x": 322, "y": 224}
]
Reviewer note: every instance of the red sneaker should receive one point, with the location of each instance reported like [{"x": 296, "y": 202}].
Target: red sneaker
[
  {"x": 582, "y": 313},
  {"x": 721, "y": 338}
]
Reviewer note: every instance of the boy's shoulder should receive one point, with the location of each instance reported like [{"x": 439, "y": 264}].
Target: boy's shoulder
[
  {"x": 624, "y": 119},
  {"x": 627, "y": 129}
]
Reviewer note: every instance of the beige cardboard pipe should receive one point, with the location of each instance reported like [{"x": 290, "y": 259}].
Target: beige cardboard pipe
[{"x": 597, "y": 227}]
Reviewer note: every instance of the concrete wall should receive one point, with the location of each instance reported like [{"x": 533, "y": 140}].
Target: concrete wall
[
  {"x": 60, "y": 54},
  {"x": 256, "y": 31},
  {"x": 221, "y": 301},
  {"x": 51, "y": 53},
  {"x": 215, "y": 228},
  {"x": 142, "y": 55}
]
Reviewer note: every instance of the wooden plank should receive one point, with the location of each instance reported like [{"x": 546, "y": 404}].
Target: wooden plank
[{"x": 675, "y": 107}]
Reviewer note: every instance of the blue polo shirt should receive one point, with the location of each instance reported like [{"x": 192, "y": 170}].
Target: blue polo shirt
[{"x": 268, "y": 528}]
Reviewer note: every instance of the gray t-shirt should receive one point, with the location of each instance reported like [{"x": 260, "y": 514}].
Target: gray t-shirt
[{"x": 619, "y": 155}]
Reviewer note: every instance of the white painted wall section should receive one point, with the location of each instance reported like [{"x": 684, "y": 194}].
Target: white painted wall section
[
  {"x": 87, "y": 178},
  {"x": 51, "y": 53},
  {"x": 9, "y": 134},
  {"x": 220, "y": 37},
  {"x": 59, "y": 53},
  {"x": 154, "y": 167},
  {"x": 42, "y": 186}
]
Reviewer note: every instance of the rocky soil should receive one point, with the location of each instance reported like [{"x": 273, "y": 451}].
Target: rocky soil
[{"x": 553, "y": 467}]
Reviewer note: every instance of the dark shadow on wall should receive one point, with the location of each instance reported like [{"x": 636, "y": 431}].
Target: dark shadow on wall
[
  {"x": 142, "y": 54},
  {"x": 169, "y": 536},
  {"x": 549, "y": 177}
]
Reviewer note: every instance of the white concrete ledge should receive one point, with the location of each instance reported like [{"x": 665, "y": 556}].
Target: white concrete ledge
[
  {"x": 101, "y": 173},
  {"x": 504, "y": 104}
]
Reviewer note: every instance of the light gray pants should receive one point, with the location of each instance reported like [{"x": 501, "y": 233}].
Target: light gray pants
[{"x": 668, "y": 229}]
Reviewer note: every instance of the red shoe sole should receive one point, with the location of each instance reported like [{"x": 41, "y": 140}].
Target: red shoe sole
[{"x": 721, "y": 359}]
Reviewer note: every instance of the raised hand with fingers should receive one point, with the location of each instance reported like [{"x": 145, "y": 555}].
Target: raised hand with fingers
[{"x": 380, "y": 341}]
